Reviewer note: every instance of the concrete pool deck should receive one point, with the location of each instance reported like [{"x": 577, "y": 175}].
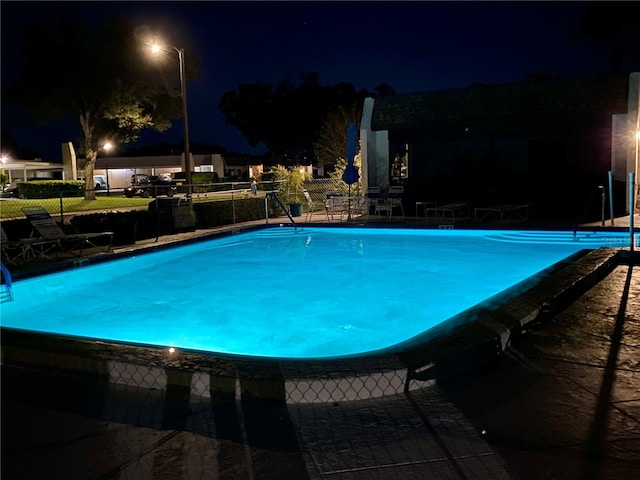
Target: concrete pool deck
[{"x": 560, "y": 399}]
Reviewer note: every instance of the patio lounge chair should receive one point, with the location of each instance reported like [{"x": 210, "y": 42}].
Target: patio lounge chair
[
  {"x": 512, "y": 212},
  {"x": 23, "y": 249},
  {"x": 451, "y": 211},
  {"x": 48, "y": 229}
]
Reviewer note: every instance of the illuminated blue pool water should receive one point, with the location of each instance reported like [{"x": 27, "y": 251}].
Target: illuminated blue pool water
[{"x": 275, "y": 293}]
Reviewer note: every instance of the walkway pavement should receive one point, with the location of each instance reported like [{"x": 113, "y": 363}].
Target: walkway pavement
[{"x": 563, "y": 402}]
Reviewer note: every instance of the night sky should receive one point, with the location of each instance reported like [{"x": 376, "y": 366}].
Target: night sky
[{"x": 412, "y": 46}]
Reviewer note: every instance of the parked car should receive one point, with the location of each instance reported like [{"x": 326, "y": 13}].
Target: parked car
[
  {"x": 100, "y": 182},
  {"x": 10, "y": 190},
  {"x": 150, "y": 186}
]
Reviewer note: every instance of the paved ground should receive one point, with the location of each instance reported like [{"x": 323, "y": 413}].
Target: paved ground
[{"x": 561, "y": 403}]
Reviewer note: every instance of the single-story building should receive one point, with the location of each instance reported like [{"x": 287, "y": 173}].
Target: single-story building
[
  {"x": 548, "y": 142},
  {"x": 29, "y": 169}
]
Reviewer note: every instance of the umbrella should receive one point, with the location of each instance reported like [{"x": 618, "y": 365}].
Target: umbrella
[{"x": 351, "y": 175}]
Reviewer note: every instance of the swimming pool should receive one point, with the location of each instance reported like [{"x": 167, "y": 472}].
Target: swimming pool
[{"x": 310, "y": 293}]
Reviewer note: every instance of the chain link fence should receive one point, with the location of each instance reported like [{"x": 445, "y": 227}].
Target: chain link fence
[
  {"x": 224, "y": 412},
  {"x": 67, "y": 204}
]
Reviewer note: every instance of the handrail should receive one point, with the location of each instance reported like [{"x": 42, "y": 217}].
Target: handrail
[
  {"x": 7, "y": 282},
  {"x": 274, "y": 195}
]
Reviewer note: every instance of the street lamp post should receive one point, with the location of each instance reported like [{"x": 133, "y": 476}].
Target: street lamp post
[
  {"x": 637, "y": 174},
  {"x": 107, "y": 148},
  {"x": 183, "y": 93},
  {"x": 3, "y": 160}
]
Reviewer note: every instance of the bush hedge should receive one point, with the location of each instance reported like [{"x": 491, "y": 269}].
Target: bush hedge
[
  {"x": 215, "y": 214},
  {"x": 127, "y": 227},
  {"x": 50, "y": 188}
]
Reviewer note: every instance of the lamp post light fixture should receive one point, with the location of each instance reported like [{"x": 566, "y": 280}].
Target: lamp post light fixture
[{"x": 155, "y": 48}]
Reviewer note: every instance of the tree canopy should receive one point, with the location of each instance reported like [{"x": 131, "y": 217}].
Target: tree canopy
[
  {"x": 615, "y": 25},
  {"x": 103, "y": 77},
  {"x": 288, "y": 118}
]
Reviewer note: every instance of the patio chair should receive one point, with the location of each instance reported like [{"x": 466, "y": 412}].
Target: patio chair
[
  {"x": 374, "y": 197},
  {"x": 394, "y": 197},
  {"x": 23, "y": 249},
  {"x": 359, "y": 206},
  {"x": 335, "y": 205},
  {"x": 48, "y": 229},
  {"x": 310, "y": 205}
]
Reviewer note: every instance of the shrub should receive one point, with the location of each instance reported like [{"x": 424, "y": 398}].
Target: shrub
[
  {"x": 51, "y": 188},
  {"x": 202, "y": 181},
  {"x": 217, "y": 213},
  {"x": 127, "y": 227}
]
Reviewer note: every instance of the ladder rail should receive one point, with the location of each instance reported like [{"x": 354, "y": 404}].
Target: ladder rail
[
  {"x": 274, "y": 195},
  {"x": 7, "y": 293}
]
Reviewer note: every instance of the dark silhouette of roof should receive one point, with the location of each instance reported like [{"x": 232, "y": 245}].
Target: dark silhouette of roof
[{"x": 605, "y": 93}]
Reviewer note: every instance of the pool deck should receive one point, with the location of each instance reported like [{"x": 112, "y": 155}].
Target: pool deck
[{"x": 557, "y": 398}]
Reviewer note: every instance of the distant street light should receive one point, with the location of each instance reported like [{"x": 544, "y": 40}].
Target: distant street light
[{"x": 155, "y": 48}]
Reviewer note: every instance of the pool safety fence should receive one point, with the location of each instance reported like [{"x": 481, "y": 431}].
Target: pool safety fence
[
  {"x": 66, "y": 205},
  {"x": 203, "y": 377},
  {"x": 255, "y": 420},
  {"x": 283, "y": 383}
]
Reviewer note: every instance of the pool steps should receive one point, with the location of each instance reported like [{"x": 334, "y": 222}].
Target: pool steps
[{"x": 589, "y": 239}]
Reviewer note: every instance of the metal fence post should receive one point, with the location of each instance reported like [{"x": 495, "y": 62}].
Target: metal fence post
[{"x": 632, "y": 187}]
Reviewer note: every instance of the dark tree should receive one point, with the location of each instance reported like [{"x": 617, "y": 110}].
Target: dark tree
[
  {"x": 103, "y": 77},
  {"x": 287, "y": 119},
  {"x": 616, "y": 25}
]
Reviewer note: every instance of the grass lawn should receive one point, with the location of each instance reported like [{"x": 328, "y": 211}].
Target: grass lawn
[{"x": 12, "y": 208}]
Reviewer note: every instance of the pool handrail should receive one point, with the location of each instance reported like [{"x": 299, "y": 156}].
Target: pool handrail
[
  {"x": 274, "y": 195},
  {"x": 7, "y": 295}
]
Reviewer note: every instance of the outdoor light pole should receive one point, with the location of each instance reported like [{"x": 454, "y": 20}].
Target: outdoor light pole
[
  {"x": 3, "y": 160},
  {"x": 183, "y": 93},
  {"x": 637, "y": 174},
  {"x": 107, "y": 147},
  {"x": 183, "y": 88}
]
